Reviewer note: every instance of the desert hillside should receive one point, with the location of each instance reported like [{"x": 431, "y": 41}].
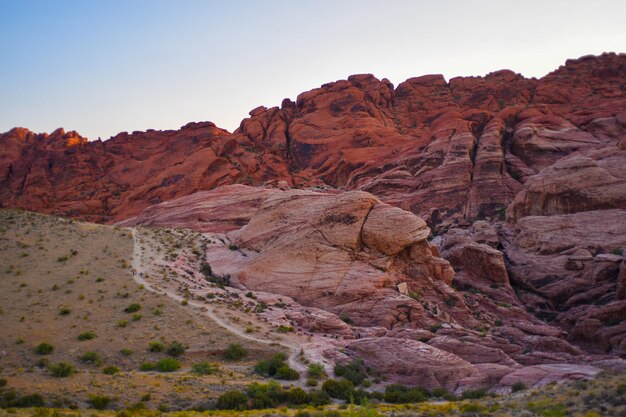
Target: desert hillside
[{"x": 62, "y": 279}]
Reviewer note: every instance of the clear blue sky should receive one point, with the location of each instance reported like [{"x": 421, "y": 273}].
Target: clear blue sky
[{"x": 101, "y": 67}]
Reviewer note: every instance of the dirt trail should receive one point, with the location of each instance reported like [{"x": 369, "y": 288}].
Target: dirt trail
[{"x": 140, "y": 270}]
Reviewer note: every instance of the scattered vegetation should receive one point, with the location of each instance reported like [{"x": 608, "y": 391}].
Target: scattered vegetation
[
  {"x": 62, "y": 370},
  {"x": 133, "y": 308},
  {"x": 276, "y": 367},
  {"x": 205, "y": 368},
  {"x": 235, "y": 352},
  {"x": 91, "y": 357},
  {"x": 175, "y": 349},
  {"x": 87, "y": 336},
  {"x": 99, "y": 402},
  {"x": 44, "y": 348}
]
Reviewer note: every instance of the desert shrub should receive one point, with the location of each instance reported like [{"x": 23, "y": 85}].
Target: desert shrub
[
  {"x": 265, "y": 395},
  {"x": 472, "y": 407},
  {"x": 175, "y": 349},
  {"x": 3, "y": 382},
  {"x": 111, "y": 370},
  {"x": 10, "y": 399},
  {"x": 621, "y": 388},
  {"x": 126, "y": 352},
  {"x": 167, "y": 365},
  {"x": 156, "y": 346},
  {"x": 284, "y": 329},
  {"x": 132, "y": 308},
  {"x": 473, "y": 394},
  {"x": 232, "y": 400},
  {"x": 137, "y": 317},
  {"x": 346, "y": 318},
  {"x": 442, "y": 393},
  {"x": 435, "y": 327},
  {"x": 518, "y": 386},
  {"x": 297, "y": 396},
  {"x": 341, "y": 389},
  {"x": 44, "y": 348},
  {"x": 146, "y": 366},
  {"x": 99, "y": 402},
  {"x": 319, "y": 397},
  {"x": 397, "y": 393},
  {"x": 354, "y": 371},
  {"x": 91, "y": 357},
  {"x": 235, "y": 352},
  {"x": 64, "y": 311},
  {"x": 277, "y": 368},
  {"x": 205, "y": 368},
  {"x": 286, "y": 373},
  {"x": 86, "y": 336},
  {"x": 316, "y": 371},
  {"x": 122, "y": 323},
  {"x": 42, "y": 363},
  {"x": 61, "y": 370},
  {"x": 547, "y": 408}
]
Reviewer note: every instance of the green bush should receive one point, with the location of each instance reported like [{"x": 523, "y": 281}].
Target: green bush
[
  {"x": 91, "y": 357},
  {"x": 44, "y": 348},
  {"x": 10, "y": 399},
  {"x": 205, "y": 368},
  {"x": 286, "y": 373},
  {"x": 175, "y": 349},
  {"x": 61, "y": 370},
  {"x": 99, "y": 402},
  {"x": 64, "y": 311},
  {"x": 401, "y": 394},
  {"x": 341, "y": 389},
  {"x": 473, "y": 394},
  {"x": 354, "y": 371},
  {"x": 316, "y": 371},
  {"x": 276, "y": 368},
  {"x": 167, "y": 365},
  {"x": 86, "y": 336},
  {"x": 319, "y": 398},
  {"x": 518, "y": 386},
  {"x": 442, "y": 393},
  {"x": 133, "y": 308},
  {"x": 126, "y": 352},
  {"x": 156, "y": 346},
  {"x": 232, "y": 400},
  {"x": 146, "y": 366},
  {"x": 111, "y": 370},
  {"x": 235, "y": 352},
  {"x": 621, "y": 388}
]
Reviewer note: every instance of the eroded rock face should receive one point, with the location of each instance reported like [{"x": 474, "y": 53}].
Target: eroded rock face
[
  {"x": 417, "y": 363},
  {"x": 566, "y": 270},
  {"x": 62, "y": 173},
  {"x": 448, "y": 151},
  {"x": 583, "y": 182}
]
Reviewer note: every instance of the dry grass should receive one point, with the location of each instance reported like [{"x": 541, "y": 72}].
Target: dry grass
[{"x": 61, "y": 278}]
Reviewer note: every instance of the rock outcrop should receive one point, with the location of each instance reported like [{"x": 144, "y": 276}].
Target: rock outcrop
[{"x": 366, "y": 270}]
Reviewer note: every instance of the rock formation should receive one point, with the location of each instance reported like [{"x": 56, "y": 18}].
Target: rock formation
[{"x": 478, "y": 221}]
